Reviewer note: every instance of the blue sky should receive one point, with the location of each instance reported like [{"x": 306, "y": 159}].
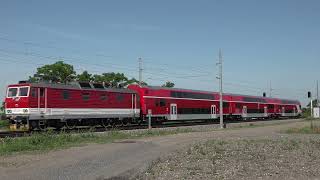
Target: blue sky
[{"x": 262, "y": 41}]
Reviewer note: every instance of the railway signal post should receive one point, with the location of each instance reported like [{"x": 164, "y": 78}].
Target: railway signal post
[{"x": 311, "y": 103}]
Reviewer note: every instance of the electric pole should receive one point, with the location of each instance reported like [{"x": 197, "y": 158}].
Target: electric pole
[
  {"x": 270, "y": 90},
  {"x": 221, "y": 92},
  {"x": 317, "y": 94},
  {"x": 140, "y": 71}
]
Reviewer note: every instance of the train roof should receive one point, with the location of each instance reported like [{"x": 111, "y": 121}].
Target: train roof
[
  {"x": 211, "y": 92},
  {"x": 76, "y": 86}
]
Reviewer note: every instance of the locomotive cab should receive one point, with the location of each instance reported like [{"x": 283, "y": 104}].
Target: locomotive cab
[{"x": 17, "y": 106}]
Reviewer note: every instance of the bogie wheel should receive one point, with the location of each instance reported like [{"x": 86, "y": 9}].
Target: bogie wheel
[
  {"x": 58, "y": 125},
  {"x": 71, "y": 123},
  {"x": 92, "y": 124},
  {"x": 125, "y": 122},
  {"x": 42, "y": 126},
  {"x": 33, "y": 125},
  {"x": 105, "y": 123},
  {"x": 112, "y": 123}
]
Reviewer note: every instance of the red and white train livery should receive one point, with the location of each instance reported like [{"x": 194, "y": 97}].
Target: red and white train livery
[{"x": 39, "y": 105}]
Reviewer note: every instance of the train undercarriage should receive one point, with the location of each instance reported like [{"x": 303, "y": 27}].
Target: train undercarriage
[{"x": 23, "y": 123}]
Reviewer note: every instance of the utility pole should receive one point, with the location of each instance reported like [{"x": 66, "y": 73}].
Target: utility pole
[
  {"x": 270, "y": 89},
  {"x": 317, "y": 94},
  {"x": 140, "y": 71},
  {"x": 221, "y": 90}
]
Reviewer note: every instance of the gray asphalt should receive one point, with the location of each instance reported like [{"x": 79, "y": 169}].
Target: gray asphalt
[{"x": 121, "y": 159}]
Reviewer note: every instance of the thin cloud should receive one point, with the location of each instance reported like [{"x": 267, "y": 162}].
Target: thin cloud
[
  {"x": 135, "y": 27},
  {"x": 56, "y": 32}
]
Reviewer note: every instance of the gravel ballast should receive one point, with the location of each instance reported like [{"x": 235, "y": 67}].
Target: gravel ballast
[{"x": 282, "y": 158}]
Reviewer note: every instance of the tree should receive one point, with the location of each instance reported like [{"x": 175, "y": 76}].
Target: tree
[
  {"x": 2, "y": 108},
  {"x": 134, "y": 80},
  {"x": 85, "y": 76},
  {"x": 168, "y": 84},
  {"x": 113, "y": 79},
  {"x": 58, "y": 72}
]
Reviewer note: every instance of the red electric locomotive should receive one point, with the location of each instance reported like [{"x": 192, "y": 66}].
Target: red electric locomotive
[{"x": 39, "y": 105}]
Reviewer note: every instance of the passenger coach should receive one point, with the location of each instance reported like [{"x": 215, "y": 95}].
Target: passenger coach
[{"x": 184, "y": 104}]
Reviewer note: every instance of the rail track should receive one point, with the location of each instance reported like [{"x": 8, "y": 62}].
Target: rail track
[
  {"x": 16, "y": 134},
  {"x": 11, "y": 134}
]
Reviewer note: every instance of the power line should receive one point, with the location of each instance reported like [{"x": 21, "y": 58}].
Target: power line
[
  {"x": 99, "y": 55},
  {"x": 169, "y": 75},
  {"x": 192, "y": 68}
]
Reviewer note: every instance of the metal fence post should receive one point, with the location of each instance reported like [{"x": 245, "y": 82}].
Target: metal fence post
[{"x": 149, "y": 119}]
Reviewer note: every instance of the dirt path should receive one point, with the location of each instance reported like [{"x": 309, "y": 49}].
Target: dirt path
[{"x": 119, "y": 159}]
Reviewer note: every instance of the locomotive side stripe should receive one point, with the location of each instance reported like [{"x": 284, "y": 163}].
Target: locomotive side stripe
[
  {"x": 70, "y": 111},
  {"x": 158, "y": 97}
]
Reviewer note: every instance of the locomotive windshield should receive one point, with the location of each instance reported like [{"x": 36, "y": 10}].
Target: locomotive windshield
[
  {"x": 23, "y": 91},
  {"x": 12, "y": 92},
  {"x": 18, "y": 92}
]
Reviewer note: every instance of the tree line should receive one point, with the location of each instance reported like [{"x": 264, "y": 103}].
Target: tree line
[{"x": 61, "y": 72}]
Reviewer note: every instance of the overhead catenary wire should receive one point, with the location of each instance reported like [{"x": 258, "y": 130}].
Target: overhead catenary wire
[
  {"x": 167, "y": 78},
  {"x": 28, "y": 43},
  {"x": 195, "y": 73}
]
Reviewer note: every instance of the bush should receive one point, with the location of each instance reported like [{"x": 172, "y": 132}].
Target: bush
[
  {"x": 2, "y": 116},
  {"x": 4, "y": 123}
]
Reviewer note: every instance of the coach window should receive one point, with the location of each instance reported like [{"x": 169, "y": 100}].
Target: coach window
[
  {"x": 85, "y": 96},
  {"x": 238, "y": 105},
  {"x": 65, "y": 95},
  {"x": 41, "y": 92},
  {"x": 33, "y": 92},
  {"x": 225, "y": 104},
  {"x": 162, "y": 102},
  {"x": 120, "y": 97},
  {"x": 103, "y": 97},
  {"x": 270, "y": 106}
]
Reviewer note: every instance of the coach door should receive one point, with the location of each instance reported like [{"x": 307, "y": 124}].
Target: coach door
[
  {"x": 213, "y": 112},
  {"x": 283, "y": 111},
  {"x": 42, "y": 100},
  {"x": 173, "y": 112},
  {"x": 265, "y": 111},
  {"x": 245, "y": 111}
]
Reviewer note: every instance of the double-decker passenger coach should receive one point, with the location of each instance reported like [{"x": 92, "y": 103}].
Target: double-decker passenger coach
[{"x": 184, "y": 104}]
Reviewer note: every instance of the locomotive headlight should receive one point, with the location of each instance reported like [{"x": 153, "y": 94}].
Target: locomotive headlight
[
  {"x": 25, "y": 110},
  {"x": 9, "y": 111}
]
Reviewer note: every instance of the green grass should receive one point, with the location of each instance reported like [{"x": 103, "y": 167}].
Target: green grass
[
  {"x": 312, "y": 128},
  {"x": 42, "y": 142}
]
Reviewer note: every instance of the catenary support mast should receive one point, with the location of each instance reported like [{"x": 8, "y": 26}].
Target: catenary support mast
[
  {"x": 140, "y": 71},
  {"x": 221, "y": 89}
]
